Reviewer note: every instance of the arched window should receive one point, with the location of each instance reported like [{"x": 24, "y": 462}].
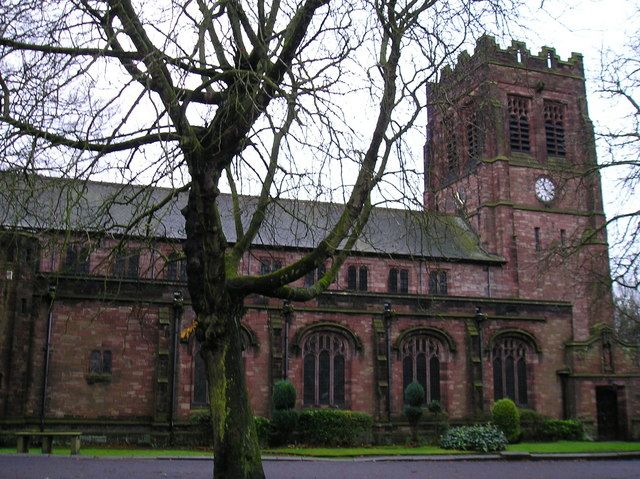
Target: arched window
[
  {"x": 324, "y": 357},
  {"x": 422, "y": 356},
  {"x": 509, "y": 356}
]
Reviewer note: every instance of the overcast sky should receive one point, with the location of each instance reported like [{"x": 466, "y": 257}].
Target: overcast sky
[{"x": 588, "y": 27}]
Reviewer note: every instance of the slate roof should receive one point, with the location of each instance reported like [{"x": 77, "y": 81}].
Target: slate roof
[{"x": 39, "y": 203}]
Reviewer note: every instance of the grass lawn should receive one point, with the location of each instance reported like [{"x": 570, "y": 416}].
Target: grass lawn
[
  {"x": 359, "y": 451},
  {"x": 575, "y": 447},
  {"x": 117, "y": 452},
  {"x": 532, "y": 447}
]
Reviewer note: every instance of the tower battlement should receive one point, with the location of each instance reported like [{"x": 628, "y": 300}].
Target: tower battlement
[{"x": 517, "y": 55}]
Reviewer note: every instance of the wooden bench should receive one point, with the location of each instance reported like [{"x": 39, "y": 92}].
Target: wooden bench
[{"x": 47, "y": 440}]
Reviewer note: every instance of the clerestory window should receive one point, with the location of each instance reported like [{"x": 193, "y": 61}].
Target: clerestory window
[
  {"x": 438, "y": 283},
  {"x": 357, "y": 278},
  {"x": 398, "y": 281}
]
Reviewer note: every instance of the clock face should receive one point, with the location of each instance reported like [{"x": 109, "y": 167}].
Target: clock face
[{"x": 545, "y": 189}]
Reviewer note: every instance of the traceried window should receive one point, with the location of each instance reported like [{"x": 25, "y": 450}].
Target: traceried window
[
  {"x": 324, "y": 357},
  {"x": 509, "y": 358},
  {"x": 357, "y": 278},
  {"x": 554, "y": 128},
  {"x": 398, "y": 280},
  {"x": 438, "y": 283},
  {"x": 421, "y": 360},
  {"x": 519, "y": 123}
]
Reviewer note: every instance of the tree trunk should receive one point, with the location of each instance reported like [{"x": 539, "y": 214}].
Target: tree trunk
[{"x": 236, "y": 445}]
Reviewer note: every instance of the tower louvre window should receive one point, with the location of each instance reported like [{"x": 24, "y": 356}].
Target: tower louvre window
[
  {"x": 519, "y": 123},
  {"x": 474, "y": 140},
  {"x": 554, "y": 128},
  {"x": 451, "y": 148}
]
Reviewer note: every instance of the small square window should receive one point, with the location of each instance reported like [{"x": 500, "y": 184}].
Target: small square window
[{"x": 100, "y": 362}]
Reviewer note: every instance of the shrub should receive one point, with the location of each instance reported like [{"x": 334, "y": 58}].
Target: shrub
[
  {"x": 284, "y": 423},
  {"x": 263, "y": 429},
  {"x": 557, "y": 429},
  {"x": 435, "y": 407},
  {"x": 201, "y": 418},
  {"x": 485, "y": 438},
  {"x": 414, "y": 394},
  {"x": 334, "y": 427},
  {"x": 284, "y": 395},
  {"x": 505, "y": 415}
]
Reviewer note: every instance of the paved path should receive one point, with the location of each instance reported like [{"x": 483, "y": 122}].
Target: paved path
[{"x": 60, "y": 467}]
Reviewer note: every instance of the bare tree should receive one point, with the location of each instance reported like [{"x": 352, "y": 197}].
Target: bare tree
[
  {"x": 619, "y": 82},
  {"x": 627, "y": 314},
  {"x": 254, "y": 96}
]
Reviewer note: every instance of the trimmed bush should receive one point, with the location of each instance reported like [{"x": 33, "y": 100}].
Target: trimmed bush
[
  {"x": 284, "y": 395},
  {"x": 484, "y": 438},
  {"x": 413, "y": 397},
  {"x": 284, "y": 423},
  {"x": 505, "y": 415},
  {"x": 263, "y": 429},
  {"x": 334, "y": 427},
  {"x": 414, "y": 394}
]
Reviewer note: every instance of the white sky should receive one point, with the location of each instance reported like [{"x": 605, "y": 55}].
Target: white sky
[{"x": 587, "y": 27}]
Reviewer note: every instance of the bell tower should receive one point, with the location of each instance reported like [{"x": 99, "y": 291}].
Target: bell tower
[{"x": 510, "y": 146}]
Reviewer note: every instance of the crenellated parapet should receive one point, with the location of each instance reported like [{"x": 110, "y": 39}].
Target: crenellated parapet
[{"x": 517, "y": 55}]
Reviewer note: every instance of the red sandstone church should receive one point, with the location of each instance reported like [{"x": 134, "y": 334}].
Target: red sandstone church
[{"x": 482, "y": 295}]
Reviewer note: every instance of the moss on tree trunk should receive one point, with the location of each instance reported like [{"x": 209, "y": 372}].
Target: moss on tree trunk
[{"x": 236, "y": 445}]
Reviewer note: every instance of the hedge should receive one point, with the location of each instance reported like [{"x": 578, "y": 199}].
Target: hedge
[
  {"x": 284, "y": 424},
  {"x": 536, "y": 427},
  {"x": 334, "y": 427},
  {"x": 263, "y": 429}
]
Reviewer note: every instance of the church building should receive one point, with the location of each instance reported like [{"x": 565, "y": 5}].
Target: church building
[{"x": 499, "y": 287}]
